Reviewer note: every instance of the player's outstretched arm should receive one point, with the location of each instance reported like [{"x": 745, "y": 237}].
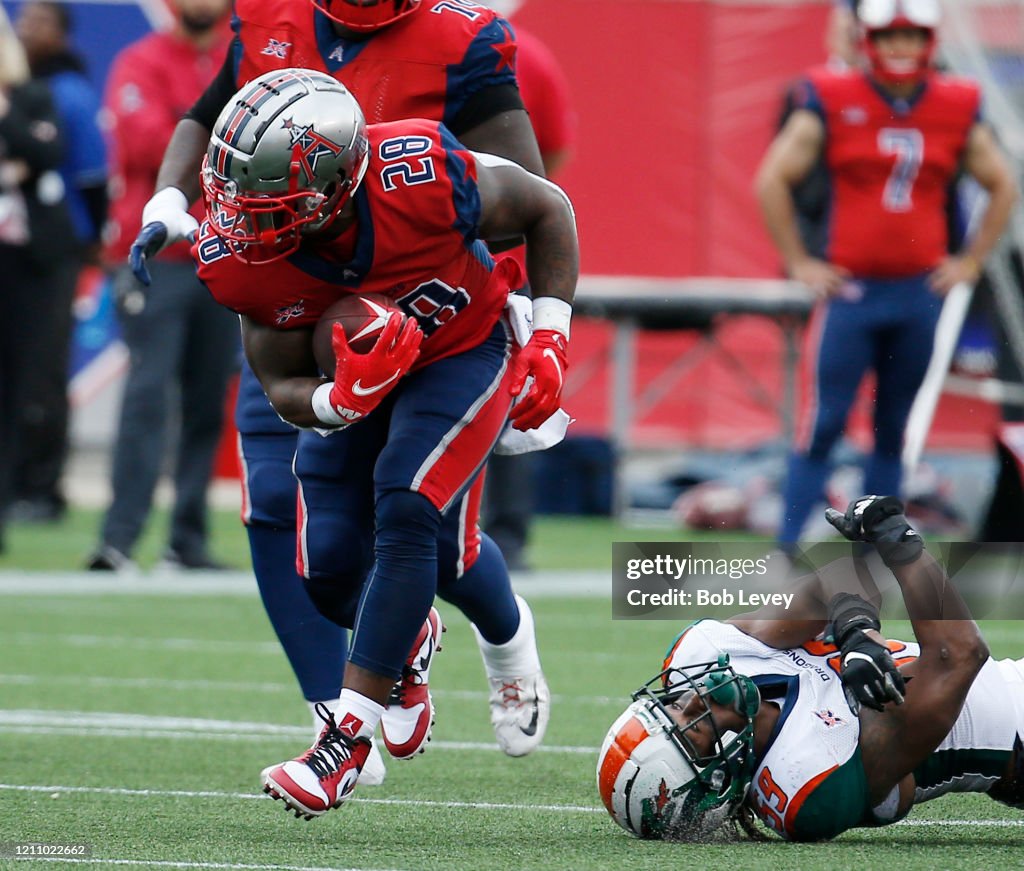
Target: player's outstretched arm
[
  {"x": 165, "y": 218},
  {"x": 807, "y": 615},
  {"x": 183, "y": 159},
  {"x": 515, "y": 202},
  {"x": 894, "y": 743}
]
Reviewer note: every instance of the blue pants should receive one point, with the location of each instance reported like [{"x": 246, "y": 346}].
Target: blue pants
[
  {"x": 384, "y": 484},
  {"x": 888, "y": 328},
  {"x": 184, "y": 349}
]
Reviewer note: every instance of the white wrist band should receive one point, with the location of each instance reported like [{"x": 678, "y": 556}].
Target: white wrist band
[
  {"x": 551, "y": 313},
  {"x": 323, "y": 408},
  {"x": 168, "y": 198}
]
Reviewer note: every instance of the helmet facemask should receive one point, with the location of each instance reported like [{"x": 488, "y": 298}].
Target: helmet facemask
[
  {"x": 365, "y": 19},
  {"x": 654, "y": 780}
]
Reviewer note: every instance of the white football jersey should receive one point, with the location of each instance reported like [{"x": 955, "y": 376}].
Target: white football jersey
[{"x": 810, "y": 784}]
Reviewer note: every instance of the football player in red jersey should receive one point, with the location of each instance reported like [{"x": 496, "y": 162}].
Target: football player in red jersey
[
  {"x": 449, "y": 60},
  {"x": 893, "y": 136},
  {"x": 305, "y": 204}
]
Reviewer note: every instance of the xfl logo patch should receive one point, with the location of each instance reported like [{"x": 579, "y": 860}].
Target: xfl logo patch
[{"x": 276, "y": 48}]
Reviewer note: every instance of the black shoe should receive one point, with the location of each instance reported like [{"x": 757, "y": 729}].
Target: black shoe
[
  {"x": 107, "y": 558},
  {"x": 173, "y": 561}
]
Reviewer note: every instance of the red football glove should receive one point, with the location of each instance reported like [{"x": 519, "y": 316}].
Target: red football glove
[
  {"x": 545, "y": 358},
  {"x": 361, "y": 381}
]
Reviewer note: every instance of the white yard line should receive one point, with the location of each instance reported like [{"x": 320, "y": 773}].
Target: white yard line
[
  {"x": 268, "y": 687},
  {"x": 105, "y": 724},
  {"x": 162, "y": 863},
  {"x": 57, "y": 790},
  {"x": 50, "y": 640},
  {"x": 536, "y": 585},
  {"x": 988, "y": 824},
  {"x": 399, "y": 802}
]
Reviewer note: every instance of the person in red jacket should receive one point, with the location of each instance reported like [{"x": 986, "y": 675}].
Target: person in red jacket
[{"x": 182, "y": 345}]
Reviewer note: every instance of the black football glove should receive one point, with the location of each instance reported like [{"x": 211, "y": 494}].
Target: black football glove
[
  {"x": 869, "y": 675},
  {"x": 150, "y": 240},
  {"x": 879, "y": 520}
]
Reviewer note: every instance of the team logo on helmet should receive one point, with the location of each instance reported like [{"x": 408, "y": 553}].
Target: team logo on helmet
[{"x": 308, "y": 146}]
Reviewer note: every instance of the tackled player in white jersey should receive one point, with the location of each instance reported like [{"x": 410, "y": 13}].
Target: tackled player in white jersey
[{"x": 761, "y": 716}]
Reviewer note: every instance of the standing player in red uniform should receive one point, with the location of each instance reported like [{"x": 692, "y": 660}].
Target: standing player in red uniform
[
  {"x": 306, "y": 204},
  {"x": 449, "y": 60},
  {"x": 893, "y": 136}
]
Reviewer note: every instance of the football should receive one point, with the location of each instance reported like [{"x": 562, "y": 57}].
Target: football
[{"x": 362, "y": 318}]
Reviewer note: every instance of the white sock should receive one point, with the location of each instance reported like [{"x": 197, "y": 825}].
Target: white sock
[
  {"x": 518, "y": 656},
  {"x": 364, "y": 709}
]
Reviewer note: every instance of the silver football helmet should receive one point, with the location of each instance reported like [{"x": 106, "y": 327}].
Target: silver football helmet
[
  {"x": 285, "y": 155},
  {"x": 654, "y": 781}
]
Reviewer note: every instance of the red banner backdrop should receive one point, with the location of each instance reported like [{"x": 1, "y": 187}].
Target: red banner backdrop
[{"x": 677, "y": 101}]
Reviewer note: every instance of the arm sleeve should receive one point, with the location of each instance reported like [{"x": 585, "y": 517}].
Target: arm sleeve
[
  {"x": 461, "y": 168},
  {"x": 206, "y": 109},
  {"x": 484, "y": 105}
]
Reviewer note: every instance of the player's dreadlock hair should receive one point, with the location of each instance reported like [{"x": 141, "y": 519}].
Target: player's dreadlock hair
[{"x": 745, "y": 823}]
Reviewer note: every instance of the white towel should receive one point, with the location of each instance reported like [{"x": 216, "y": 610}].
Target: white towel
[{"x": 549, "y": 433}]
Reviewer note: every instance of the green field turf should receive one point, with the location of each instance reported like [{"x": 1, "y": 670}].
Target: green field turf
[
  {"x": 556, "y": 542},
  {"x": 139, "y": 724}
]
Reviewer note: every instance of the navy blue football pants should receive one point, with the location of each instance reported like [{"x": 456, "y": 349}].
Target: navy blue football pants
[
  {"x": 471, "y": 572},
  {"x": 889, "y": 329}
]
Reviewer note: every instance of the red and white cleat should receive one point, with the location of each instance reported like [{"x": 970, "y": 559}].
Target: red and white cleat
[
  {"x": 323, "y": 777},
  {"x": 407, "y": 720}
]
